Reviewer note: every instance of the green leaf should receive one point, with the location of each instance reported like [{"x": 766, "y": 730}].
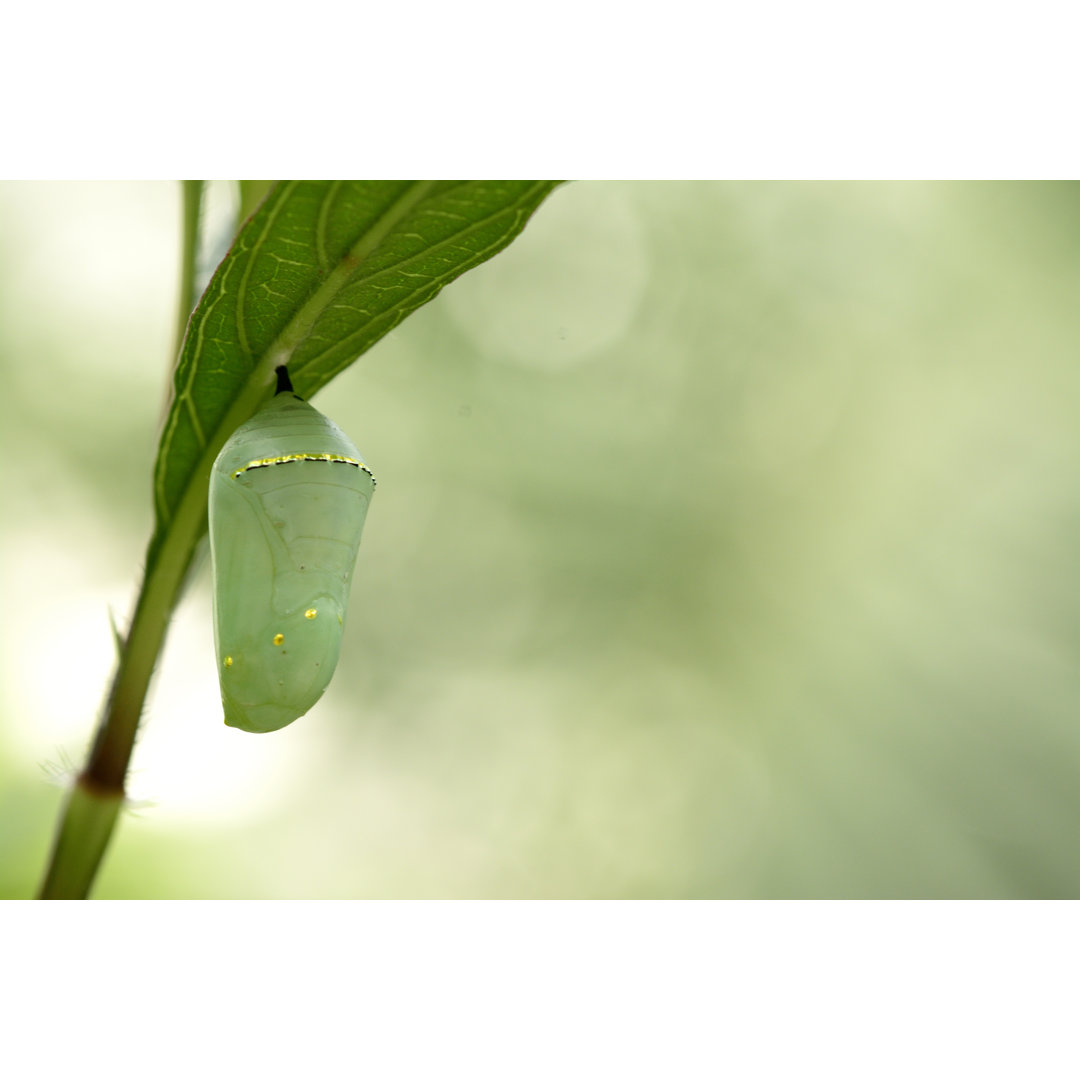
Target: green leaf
[{"x": 318, "y": 274}]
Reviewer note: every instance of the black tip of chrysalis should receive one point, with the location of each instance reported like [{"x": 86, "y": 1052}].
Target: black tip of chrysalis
[{"x": 284, "y": 383}]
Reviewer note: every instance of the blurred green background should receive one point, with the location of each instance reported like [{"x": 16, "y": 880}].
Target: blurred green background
[{"x": 725, "y": 545}]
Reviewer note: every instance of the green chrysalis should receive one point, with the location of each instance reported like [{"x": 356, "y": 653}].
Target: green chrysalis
[{"x": 288, "y": 496}]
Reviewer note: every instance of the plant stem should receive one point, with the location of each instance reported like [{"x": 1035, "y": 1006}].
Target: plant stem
[
  {"x": 92, "y": 807},
  {"x": 192, "y": 195},
  {"x": 84, "y": 834}
]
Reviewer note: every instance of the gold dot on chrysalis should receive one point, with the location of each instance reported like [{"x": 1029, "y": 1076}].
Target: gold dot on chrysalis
[
  {"x": 340, "y": 622},
  {"x": 228, "y": 661},
  {"x": 311, "y": 613},
  {"x": 279, "y": 639}
]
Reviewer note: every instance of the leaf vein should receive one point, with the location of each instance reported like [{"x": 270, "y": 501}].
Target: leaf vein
[
  {"x": 321, "y": 225},
  {"x": 280, "y": 198}
]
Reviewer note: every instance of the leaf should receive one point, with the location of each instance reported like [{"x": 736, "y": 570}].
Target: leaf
[
  {"x": 320, "y": 272},
  {"x": 118, "y": 638}
]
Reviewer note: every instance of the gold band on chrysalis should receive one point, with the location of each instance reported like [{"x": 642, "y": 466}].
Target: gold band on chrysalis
[{"x": 284, "y": 459}]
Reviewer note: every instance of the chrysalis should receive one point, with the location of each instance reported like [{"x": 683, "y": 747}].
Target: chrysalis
[{"x": 288, "y": 496}]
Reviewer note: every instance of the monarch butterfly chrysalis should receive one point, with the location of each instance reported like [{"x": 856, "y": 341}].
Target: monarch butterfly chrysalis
[{"x": 288, "y": 496}]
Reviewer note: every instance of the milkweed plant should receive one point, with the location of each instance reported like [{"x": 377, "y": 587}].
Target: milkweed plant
[{"x": 318, "y": 272}]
